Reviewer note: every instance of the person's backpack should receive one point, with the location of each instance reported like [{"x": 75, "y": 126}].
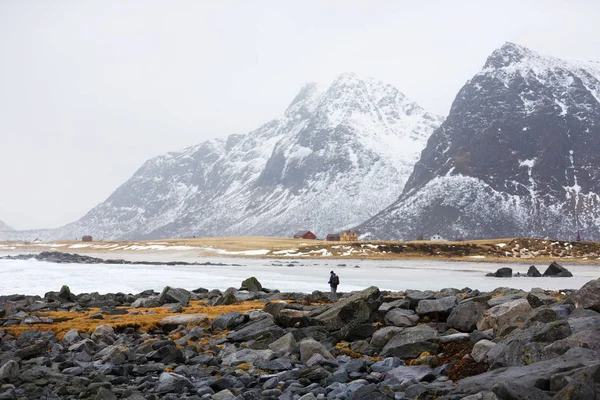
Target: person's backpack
[{"x": 335, "y": 280}]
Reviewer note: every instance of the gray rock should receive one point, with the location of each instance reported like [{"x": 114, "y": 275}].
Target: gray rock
[
  {"x": 512, "y": 390},
  {"x": 285, "y": 345},
  {"x": 102, "y": 332},
  {"x": 251, "y": 284},
  {"x": 504, "y": 314},
  {"x": 589, "y": 339},
  {"x": 407, "y": 338},
  {"x": 383, "y": 335},
  {"x": 170, "y": 382},
  {"x": 465, "y": 315},
  {"x": 249, "y": 356},
  {"x": 228, "y": 297},
  {"x": 314, "y": 373},
  {"x": 174, "y": 295},
  {"x": 539, "y": 299},
  {"x": 9, "y": 371},
  {"x": 227, "y": 321},
  {"x": 146, "y": 302},
  {"x": 401, "y": 318},
  {"x": 71, "y": 337},
  {"x": 104, "y": 394},
  {"x": 533, "y": 272},
  {"x": 437, "y": 308},
  {"x": 223, "y": 395},
  {"x": 115, "y": 354},
  {"x": 355, "y": 309},
  {"x": 387, "y": 364},
  {"x": 481, "y": 348},
  {"x": 588, "y": 296},
  {"x": 290, "y": 318},
  {"x": 310, "y": 347},
  {"x": 556, "y": 270},
  {"x": 503, "y": 273},
  {"x": 30, "y": 351},
  {"x": 187, "y": 320},
  {"x": 262, "y": 327},
  {"x": 412, "y": 374},
  {"x": 528, "y": 375}
]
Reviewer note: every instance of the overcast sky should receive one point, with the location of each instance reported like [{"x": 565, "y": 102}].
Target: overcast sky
[{"x": 89, "y": 90}]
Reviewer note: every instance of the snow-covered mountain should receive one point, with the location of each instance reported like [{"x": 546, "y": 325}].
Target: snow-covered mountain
[
  {"x": 334, "y": 159},
  {"x": 4, "y": 227},
  {"x": 518, "y": 155}
]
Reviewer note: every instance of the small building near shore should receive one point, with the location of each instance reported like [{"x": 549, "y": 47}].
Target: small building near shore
[
  {"x": 438, "y": 238},
  {"x": 87, "y": 238},
  {"x": 333, "y": 237},
  {"x": 349, "y": 236},
  {"x": 305, "y": 235}
]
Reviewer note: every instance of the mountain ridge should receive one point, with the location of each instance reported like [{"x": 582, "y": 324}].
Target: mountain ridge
[
  {"x": 516, "y": 156},
  {"x": 335, "y": 157}
]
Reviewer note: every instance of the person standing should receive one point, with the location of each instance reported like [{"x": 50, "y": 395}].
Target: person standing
[{"x": 334, "y": 281}]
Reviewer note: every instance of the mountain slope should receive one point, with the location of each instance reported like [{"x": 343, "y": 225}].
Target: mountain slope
[
  {"x": 518, "y": 155},
  {"x": 4, "y": 227},
  {"x": 335, "y": 158}
]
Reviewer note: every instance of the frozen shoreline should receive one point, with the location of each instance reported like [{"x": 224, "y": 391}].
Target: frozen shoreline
[{"x": 305, "y": 275}]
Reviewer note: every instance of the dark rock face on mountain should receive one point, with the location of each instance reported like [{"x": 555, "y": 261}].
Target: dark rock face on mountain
[
  {"x": 518, "y": 155},
  {"x": 334, "y": 159}
]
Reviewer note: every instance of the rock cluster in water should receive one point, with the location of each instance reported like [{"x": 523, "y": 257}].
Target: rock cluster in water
[
  {"x": 62, "y": 258},
  {"x": 554, "y": 270},
  {"x": 372, "y": 344}
]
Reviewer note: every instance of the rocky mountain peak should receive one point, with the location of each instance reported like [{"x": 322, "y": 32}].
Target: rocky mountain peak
[
  {"x": 508, "y": 54},
  {"x": 516, "y": 156},
  {"x": 306, "y": 101}
]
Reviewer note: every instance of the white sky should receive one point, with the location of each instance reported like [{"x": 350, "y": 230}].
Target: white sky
[{"x": 89, "y": 90}]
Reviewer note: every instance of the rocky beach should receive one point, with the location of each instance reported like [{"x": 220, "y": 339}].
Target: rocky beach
[{"x": 251, "y": 342}]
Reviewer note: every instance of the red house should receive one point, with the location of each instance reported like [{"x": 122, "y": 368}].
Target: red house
[{"x": 305, "y": 235}]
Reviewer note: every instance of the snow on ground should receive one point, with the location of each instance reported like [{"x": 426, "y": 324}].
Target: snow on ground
[{"x": 35, "y": 277}]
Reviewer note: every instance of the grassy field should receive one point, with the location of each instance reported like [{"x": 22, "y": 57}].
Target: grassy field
[{"x": 507, "y": 249}]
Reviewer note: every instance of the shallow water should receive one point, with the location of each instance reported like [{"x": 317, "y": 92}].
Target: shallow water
[{"x": 35, "y": 277}]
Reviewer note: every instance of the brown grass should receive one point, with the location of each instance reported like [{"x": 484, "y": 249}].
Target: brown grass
[{"x": 145, "y": 321}]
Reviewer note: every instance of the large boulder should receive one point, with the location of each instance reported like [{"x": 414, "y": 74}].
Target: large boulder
[
  {"x": 285, "y": 345},
  {"x": 355, "y": 309},
  {"x": 262, "y": 327},
  {"x": 556, "y": 270},
  {"x": 251, "y": 284},
  {"x": 146, "y": 302},
  {"x": 401, "y": 317},
  {"x": 410, "y": 342},
  {"x": 588, "y": 296},
  {"x": 289, "y": 318},
  {"x": 480, "y": 349},
  {"x": 533, "y": 272},
  {"x": 504, "y": 272},
  {"x": 465, "y": 315},
  {"x": 228, "y": 321},
  {"x": 415, "y": 296},
  {"x": 530, "y": 375},
  {"x": 310, "y": 347},
  {"x": 437, "y": 308},
  {"x": 9, "y": 371},
  {"x": 383, "y": 335},
  {"x": 227, "y": 298},
  {"x": 187, "y": 320},
  {"x": 505, "y": 314},
  {"x": 174, "y": 295}
]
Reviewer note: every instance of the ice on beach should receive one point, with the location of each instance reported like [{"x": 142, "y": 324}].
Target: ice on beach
[
  {"x": 79, "y": 246},
  {"x": 36, "y": 277}
]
